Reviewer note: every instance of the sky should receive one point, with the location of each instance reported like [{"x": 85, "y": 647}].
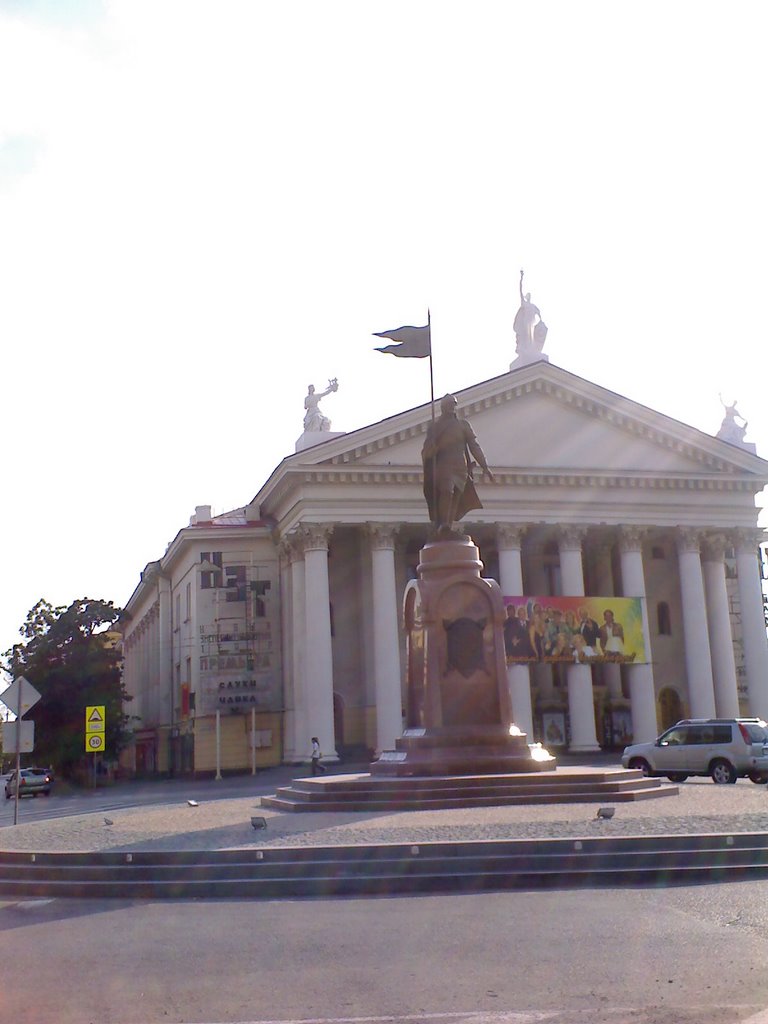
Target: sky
[{"x": 207, "y": 205}]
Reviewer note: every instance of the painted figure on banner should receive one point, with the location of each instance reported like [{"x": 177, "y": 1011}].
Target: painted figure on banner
[
  {"x": 447, "y": 455},
  {"x": 588, "y": 627},
  {"x": 517, "y": 635},
  {"x": 611, "y": 635},
  {"x": 583, "y": 653},
  {"x": 314, "y": 420},
  {"x": 530, "y": 330}
]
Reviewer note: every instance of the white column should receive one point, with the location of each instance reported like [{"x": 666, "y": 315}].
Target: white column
[
  {"x": 319, "y": 656},
  {"x": 298, "y": 737},
  {"x": 698, "y": 655},
  {"x": 580, "y": 700},
  {"x": 605, "y": 588},
  {"x": 642, "y": 691},
  {"x": 165, "y": 653},
  {"x": 386, "y": 638},
  {"x": 753, "y": 620},
  {"x": 509, "y": 540},
  {"x": 542, "y": 674},
  {"x": 719, "y": 619}
]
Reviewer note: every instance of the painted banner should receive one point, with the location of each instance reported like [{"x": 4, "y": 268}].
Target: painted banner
[{"x": 581, "y": 630}]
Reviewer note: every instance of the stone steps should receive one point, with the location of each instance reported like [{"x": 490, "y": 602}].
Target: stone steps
[
  {"x": 384, "y": 793},
  {"x": 282, "y": 872}
]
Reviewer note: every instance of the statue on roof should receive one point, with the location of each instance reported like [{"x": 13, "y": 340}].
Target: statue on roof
[
  {"x": 314, "y": 420},
  {"x": 730, "y": 430},
  {"x": 530, "y": 330}
]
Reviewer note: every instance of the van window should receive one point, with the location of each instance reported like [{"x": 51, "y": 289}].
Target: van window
[
  {"x": 705, "y": 734},
  {"x": 676, "y": 737}
]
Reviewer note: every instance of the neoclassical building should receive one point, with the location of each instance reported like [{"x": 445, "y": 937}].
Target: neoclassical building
[{"x": 282, "y": 620}]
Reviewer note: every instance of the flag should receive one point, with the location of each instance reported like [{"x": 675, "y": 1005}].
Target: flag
[{"x": 412, "y": 342}]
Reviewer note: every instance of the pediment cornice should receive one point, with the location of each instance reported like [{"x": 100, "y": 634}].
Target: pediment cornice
[{"x": 714, "y": 463}]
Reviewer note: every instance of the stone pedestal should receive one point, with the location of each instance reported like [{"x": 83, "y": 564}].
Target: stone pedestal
[{"x": 458, "y": 705}]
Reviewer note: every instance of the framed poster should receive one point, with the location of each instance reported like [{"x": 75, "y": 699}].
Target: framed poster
[{"x": 553, "y": 728}]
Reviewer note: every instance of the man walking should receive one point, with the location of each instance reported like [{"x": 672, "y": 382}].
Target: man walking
[{"x": 317, "y": 768}]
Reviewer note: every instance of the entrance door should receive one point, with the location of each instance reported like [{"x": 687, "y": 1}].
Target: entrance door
[{"x": 671, "y": 707}]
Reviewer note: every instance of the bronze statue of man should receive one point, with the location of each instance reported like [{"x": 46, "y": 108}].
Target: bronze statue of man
[{"x": 447, "y": 456}]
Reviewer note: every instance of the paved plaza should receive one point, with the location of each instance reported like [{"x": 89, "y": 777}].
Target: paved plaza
[{"x": 225, "y": 824}]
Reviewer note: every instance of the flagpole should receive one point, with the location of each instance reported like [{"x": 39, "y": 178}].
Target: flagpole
[{"x": 431, "y": 375}]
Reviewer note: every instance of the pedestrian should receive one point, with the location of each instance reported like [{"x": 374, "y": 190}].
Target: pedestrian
[{"x": 317, "y": 768}]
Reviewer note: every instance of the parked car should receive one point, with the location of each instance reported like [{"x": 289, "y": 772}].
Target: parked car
[
  {"x": 724, "y": 748},
  {"x": 33, "y": 781}
]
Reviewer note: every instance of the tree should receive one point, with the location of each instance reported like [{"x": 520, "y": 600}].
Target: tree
[{"x": 70, "y": 658}]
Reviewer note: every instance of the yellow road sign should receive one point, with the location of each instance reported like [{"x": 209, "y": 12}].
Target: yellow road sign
[
  {"x": 95, "y": 718},
  {"x": 94, "y": 742}
]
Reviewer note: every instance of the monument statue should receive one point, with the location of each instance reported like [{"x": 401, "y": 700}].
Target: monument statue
[
  {"x": 314, "y": 420},
  {"x": 530, "y": 330},
  {"x": 730, "y": 430},
  {"x": 447, "y": 456}
]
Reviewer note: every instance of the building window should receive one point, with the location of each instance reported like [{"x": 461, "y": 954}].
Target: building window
[
  {"x": 188, "y": 602},
  {"x": 259, "y": 589},
  {"x": 177, "y": 621},
  {"x": 663, "y": 619},
  {"x": 235, "y": 582},
  {"x": 212, "y": 578}
]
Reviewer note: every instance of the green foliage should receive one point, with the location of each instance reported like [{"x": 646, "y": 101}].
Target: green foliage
[{"x": 70, "y": 659}]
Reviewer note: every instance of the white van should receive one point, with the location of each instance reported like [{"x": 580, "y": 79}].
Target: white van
[{"x": 724, "y": 748}]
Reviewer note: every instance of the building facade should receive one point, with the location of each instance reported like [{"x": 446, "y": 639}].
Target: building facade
[{"x": 282, "y": 620}]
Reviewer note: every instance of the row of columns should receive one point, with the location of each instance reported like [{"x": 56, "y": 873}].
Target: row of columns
[
  {"x": 709, "y": 660},
  {"x": 312, "y": 661},
  {"x": 708, "y": 643}
]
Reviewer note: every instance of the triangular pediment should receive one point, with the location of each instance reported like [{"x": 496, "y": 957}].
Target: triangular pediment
[
  {"x": 540, "y": 427},
  {"x": 544, "y": 418}
]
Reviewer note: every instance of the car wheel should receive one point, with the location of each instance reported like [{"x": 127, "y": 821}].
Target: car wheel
[
  {"x": 757, "y": 778},
  {"x": 722, "y": 772},
  {"x": 677, "y": 776},
  {"x": 34, "y": 796},
  {"x": 639, "y": 763}
]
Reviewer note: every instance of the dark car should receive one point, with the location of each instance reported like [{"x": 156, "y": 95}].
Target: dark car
[{"x": 33, "y": 781}]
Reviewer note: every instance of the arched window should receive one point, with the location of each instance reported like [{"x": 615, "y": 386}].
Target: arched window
[{"x": 663, "y": 619}]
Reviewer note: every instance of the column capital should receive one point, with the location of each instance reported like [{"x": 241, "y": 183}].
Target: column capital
[
  {"x": 631, "y": 538},
  {"x": 570, "y": 538},
  {"x": 713, "y": 547},
  {"x": 510, "y": 535},
  {"x": 315, "y": 536},
  {"x": 289, "y": 548},
  {"x": 747, "y": 540},
  {"x": 688, "y": 540},
  {"x": 382, "y": 536}
]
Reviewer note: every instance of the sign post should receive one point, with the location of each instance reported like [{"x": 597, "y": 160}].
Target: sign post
[
  {"x": 19, "y": 697},
  {"x": 95, "y": 725}
]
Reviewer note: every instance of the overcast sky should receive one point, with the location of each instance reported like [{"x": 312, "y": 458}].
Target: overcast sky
[{"x": 206, "y": 205}]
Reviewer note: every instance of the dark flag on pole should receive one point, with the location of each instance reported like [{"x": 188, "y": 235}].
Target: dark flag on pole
[{"x": 412, "y": 342}]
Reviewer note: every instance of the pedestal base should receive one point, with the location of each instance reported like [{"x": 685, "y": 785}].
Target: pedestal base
[{"x": 462, "y": 750}]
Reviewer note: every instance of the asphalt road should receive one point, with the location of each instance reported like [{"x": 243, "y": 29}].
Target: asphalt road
[
  {"x": 688, "y": 955},
  {"x": 66, "y": 800}
]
